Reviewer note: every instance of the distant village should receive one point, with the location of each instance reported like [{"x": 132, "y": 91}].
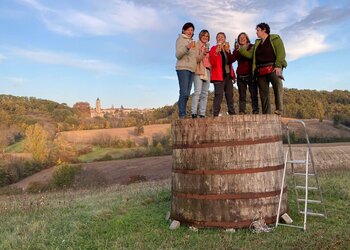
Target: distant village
[{"x": 98, "y": 111}]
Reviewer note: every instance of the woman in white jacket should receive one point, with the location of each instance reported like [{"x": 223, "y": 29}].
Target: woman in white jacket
[
  {"x": 202, "y": 75},
  {"x": 185, "y": 65}
]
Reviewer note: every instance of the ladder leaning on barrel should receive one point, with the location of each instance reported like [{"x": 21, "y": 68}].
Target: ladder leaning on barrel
[{"x": 316, "y": 188}]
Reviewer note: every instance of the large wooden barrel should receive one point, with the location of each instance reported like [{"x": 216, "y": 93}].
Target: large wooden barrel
[{"x": 226, "y": 170}]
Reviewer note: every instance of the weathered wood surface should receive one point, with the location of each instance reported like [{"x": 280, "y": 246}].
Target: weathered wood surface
[{"x": 227, "y": 169}]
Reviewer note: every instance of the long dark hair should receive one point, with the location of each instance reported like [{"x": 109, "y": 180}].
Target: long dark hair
[{"x": 186, "y": 26}]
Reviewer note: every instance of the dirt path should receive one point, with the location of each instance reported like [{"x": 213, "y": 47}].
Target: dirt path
[{"x": 326, "y": 156}]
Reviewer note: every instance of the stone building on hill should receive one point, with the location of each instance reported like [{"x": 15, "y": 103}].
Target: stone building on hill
[{"x": 98, "y": 111}]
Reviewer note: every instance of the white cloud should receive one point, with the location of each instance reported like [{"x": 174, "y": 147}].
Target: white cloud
[
  {"x": 169, "y": 77},
  {"x": 35, "y": 4},
  {"x": 15, "y": 81},
  {"x": 2, "y": 57},
  {"x": 55, "y": 58},
  {"x": 303, "y": 25},
  {"x": 100, "y": 18}
]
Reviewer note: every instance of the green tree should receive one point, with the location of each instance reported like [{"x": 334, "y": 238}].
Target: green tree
[
  {"x": 37, "y": 142},
  {"x": 320, "y": 110},
  {"x": 139, "y": 129},
  {"x": 83, "y": 108}
]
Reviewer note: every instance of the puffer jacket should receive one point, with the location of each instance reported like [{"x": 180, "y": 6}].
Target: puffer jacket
[
  {"x": 217, "y": 74},
  {"x": 186, "y": 58}
]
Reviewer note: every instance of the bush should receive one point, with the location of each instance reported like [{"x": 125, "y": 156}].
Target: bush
[
  {"x": 144, "y": 142},
  {"x": 108, "y": 141},
  {"x": 84, "y": 149},
  {"x": 341, "y": 119},
  {"x": 106, "y": 157},
  {"x": 139, "y": 129},
  {"x": 164, "y": 140},
  {"x": 37, "y": 187},
  {"x": 16, "y": 170},
  {"x": 64, "y": 174}
]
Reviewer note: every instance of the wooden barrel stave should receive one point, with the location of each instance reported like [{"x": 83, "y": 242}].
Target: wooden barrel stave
[
  {"x": 236, "y": 157},
  {"x": 227, "y": 184},
  {"x": 231, "y": 211}
]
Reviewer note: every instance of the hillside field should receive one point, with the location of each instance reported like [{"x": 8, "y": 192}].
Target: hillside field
[
  {"x": 326, "y": 156},
  {"x": 89, "y": 136},
  {"x": 314, "y": 128}
]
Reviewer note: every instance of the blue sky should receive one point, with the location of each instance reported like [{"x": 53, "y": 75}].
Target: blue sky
[{"x": 124, "y": 51}]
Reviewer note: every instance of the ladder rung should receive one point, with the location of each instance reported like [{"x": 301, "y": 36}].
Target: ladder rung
[
  {"x": 297, "y": 161},
  {"x": 310, "y": 201},
  {"x": 313, "y": 214},
  {"x": 309, "y": 188},
  {"x": 288, "y": 225},
  {"x": 303, "y": 174}
]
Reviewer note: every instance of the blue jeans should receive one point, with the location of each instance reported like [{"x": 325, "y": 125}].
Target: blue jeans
[
  {"x": 185, "y": 83},
  {"x": 201, "y": 88}
]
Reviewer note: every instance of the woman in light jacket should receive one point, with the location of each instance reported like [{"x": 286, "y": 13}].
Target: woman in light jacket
[
  {"x": 222, "y": 74},
  {"x": 185, "y": 65},
  {"x": 202, "y": 75}
]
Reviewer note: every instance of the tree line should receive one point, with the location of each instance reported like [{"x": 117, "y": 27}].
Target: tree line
[{"x": 17, "y": 113}]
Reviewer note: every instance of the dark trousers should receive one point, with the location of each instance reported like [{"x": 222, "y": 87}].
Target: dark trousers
[
  {"x": 276, "y": 82},
  {"x": 219, "y": 88},
  {"x": 243, "y": 82}
]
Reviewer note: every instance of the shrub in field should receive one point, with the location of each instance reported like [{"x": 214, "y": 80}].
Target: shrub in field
[
  {"x": 144, "y": 142},
  {"x": 139, "y": 129},
  {"x": 38, "y": 187},
  {"x": 4, "y": 180},
  {"x": 341, "y": 119},
  {"x": 106, "y": 157},
  {"x": 84, "y": 149},
  {"x": 64, "y": 174},
  {"x": 164, "y": 140},
  {"x": 109, "y": 141},
  {"x": 62, "y": 150},
  {"x": 16, "y": 170}
]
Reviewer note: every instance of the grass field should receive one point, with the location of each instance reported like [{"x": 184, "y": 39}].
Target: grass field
[
  {"x": 133, "y": 217},
  {"x": 16, "y": 147},
  {"x": 99, "y": 153}
]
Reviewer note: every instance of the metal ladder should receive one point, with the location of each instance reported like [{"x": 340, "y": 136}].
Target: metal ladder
[{"x": 297, "y": 175}]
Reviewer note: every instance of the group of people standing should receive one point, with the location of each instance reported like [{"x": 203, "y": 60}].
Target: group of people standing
[{"x": 259, "y": 65}]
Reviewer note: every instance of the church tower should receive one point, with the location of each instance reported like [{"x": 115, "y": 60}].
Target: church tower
[{"x": 98, "y": 105}]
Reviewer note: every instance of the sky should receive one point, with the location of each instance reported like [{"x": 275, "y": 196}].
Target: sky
[{"x": 123, "y": 52}]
